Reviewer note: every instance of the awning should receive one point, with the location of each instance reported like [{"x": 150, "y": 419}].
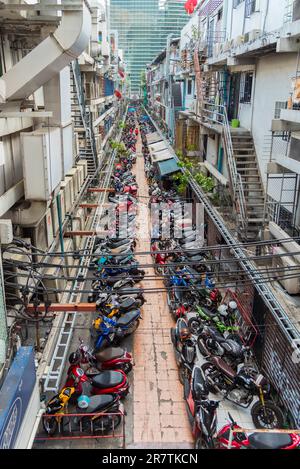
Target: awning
[
  {"x": 153, "y": 138},
  {"x": 161, "y": 156},
  {"x": 168, "y": 167},
  {"x": 155, "y": 147}
]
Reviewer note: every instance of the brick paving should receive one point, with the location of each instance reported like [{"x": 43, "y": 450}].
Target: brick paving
[{"x": 159, "y": 410}]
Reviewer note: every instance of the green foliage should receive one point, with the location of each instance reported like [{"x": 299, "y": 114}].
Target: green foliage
[
  {"x": 182, "y": 179},
  {"x": 191, "y": 147},
  {"x": 119, "y": 147},
  {"x": 205, "y": 182}
]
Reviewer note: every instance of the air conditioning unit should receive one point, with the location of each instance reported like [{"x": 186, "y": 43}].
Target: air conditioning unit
[
  {"x": 239, "y": 40},
  {"x": 254, "y": 34},
  {"x": 80, "y": 176},
  {"x": 49, "y": 228},
  {"x": 66, "y": 188},
  {"x": 41, "y": 163},
  {"x": 69, "y": 180},
  {"x": 73, "y": 173}
]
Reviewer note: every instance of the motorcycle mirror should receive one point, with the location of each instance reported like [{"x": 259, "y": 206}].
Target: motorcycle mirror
[{"x": 231, "y": 419}]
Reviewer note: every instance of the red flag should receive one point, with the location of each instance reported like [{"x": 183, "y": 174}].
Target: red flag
[
  {"x": 122, "y": 74},
  {"x": 118, "y": 94}
]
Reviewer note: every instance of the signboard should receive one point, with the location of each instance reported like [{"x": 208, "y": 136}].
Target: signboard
[{"x": 15, "y": 395}]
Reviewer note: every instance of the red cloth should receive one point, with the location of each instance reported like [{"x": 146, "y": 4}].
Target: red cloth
[{"x": 136, "y": 131}]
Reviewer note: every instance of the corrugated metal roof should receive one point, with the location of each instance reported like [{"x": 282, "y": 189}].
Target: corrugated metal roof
[{"x": 168, "y": 167}]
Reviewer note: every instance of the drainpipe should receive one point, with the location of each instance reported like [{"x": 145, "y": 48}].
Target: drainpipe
[
  {"x": 50, "y": 57},
  {"x": 3, "y": 323},
  {"x": 169, "y": 80}
]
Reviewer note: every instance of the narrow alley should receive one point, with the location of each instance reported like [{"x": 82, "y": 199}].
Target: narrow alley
[{"x": 159, "y": 418}]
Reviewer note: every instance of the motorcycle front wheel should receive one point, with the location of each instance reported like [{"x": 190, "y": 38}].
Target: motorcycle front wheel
[
  {"x": 183, "y": 374},
  {"x": 50, "y": 425},
  {"x": 195, "y": 325},
  {"x": 268, "y": 416},
  {"x": 202, "y": 443}
]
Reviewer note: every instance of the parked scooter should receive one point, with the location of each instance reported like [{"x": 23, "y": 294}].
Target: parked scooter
[
  {"x": 255, "y": 440},
  {"x": 113, "y": 358},
  {"x": 105, "y": 382},
  {"x": 111, "y": 332},
  {"x": 55, "y": 415}
]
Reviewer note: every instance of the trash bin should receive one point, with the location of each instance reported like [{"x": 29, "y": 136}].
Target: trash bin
[{"x": 235, "y": 123}]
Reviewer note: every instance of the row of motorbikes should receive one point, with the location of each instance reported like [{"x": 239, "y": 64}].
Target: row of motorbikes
[
  {"x": 97, "y": 379},
  {"x": 212, "y": 354}
]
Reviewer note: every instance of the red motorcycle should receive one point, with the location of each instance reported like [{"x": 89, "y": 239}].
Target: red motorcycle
[
  {"x": 255, "y": 440},
  {"x": 202, "y": 413},
  {"x": 106, "y": 382},
  {"x": 114, "y": 358},
  {"x": 133, "y": 190}
]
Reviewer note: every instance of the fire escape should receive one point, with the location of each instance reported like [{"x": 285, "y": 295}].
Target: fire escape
[{"x": 83, "y": 121}]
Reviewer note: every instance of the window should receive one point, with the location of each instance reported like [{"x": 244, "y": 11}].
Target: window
[
  {"x": 220, "y": 14},
  {"x": 189, "y": 87},
  {"x": 236, "y": 3},
  {"x": 278, "y": 106},
  {"x": 246, "y": 87},
  {"x": 250, "y": 7}
]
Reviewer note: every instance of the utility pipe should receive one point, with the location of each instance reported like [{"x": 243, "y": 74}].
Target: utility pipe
[{"x": 50, "y": 57}]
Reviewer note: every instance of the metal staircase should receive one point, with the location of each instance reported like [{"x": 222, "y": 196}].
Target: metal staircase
[
  {"x": 83, "y": 121},
  {"x": 254, "y": 195}
]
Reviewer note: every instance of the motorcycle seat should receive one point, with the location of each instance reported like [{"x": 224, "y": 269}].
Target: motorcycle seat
[
  {"x": 271, "y": 441},
  {"x": 107, "y": 379},
  {"x": 98, "y": 403},
  {"x": 224, "y": 367},
  {"x": 127, "y": 304},
  {"x": 109, "y": 354},
  {"x": 127, "y": 318}
]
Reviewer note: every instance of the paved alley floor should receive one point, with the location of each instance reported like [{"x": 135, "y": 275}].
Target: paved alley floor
[{"x": 159, "y": 417}]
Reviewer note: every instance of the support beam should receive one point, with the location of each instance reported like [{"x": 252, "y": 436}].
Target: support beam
[
  {"x": 94, "y": 205},
  {"x": 64, "y": 308},
  {"x": 72, "y": 234},
  {"x": 100, "y": 190}
]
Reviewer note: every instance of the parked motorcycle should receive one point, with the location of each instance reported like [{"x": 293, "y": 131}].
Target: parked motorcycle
[
  {"x": 102, "y": 404},
  {"x": 242, "y": 387},
  {"x": 105, "y": 382},
  {"x": 255, "y": 440},
  {"x": 111, "y": 332},
  {"x": 113, "y": 358}
]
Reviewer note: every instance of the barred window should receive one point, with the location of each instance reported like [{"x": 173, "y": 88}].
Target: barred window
[{"x": 246, "y": 87}]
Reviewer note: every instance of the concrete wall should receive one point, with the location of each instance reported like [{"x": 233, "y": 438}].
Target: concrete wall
[
  {"x": 212, "y": 151},
  {"x": 268, "y": 18},
  {"x": 273, "y": 83}
]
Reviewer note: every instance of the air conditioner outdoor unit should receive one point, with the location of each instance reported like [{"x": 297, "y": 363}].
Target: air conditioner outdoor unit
[
  {"x": 73, "y": 173},
  {"x": 254, "y": 34},
  {"x": 239, "y": 40},
  {"x": 66, "y": 188},
  {"x": 69, "y": 180},
  {"x": 80, "y": 176}
]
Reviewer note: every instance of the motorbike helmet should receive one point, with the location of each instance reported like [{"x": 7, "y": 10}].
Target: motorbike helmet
[
  {"x": 75, "y": 358},
  {"x": 223, "y": 310},
  {"x": 232, "y": 305},
  {"x": 83, "y": 402}
]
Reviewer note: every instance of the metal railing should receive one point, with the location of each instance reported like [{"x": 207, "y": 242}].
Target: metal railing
[
  {"x": 85, "y": 426},
  {"x": 217, "y": 115}
]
